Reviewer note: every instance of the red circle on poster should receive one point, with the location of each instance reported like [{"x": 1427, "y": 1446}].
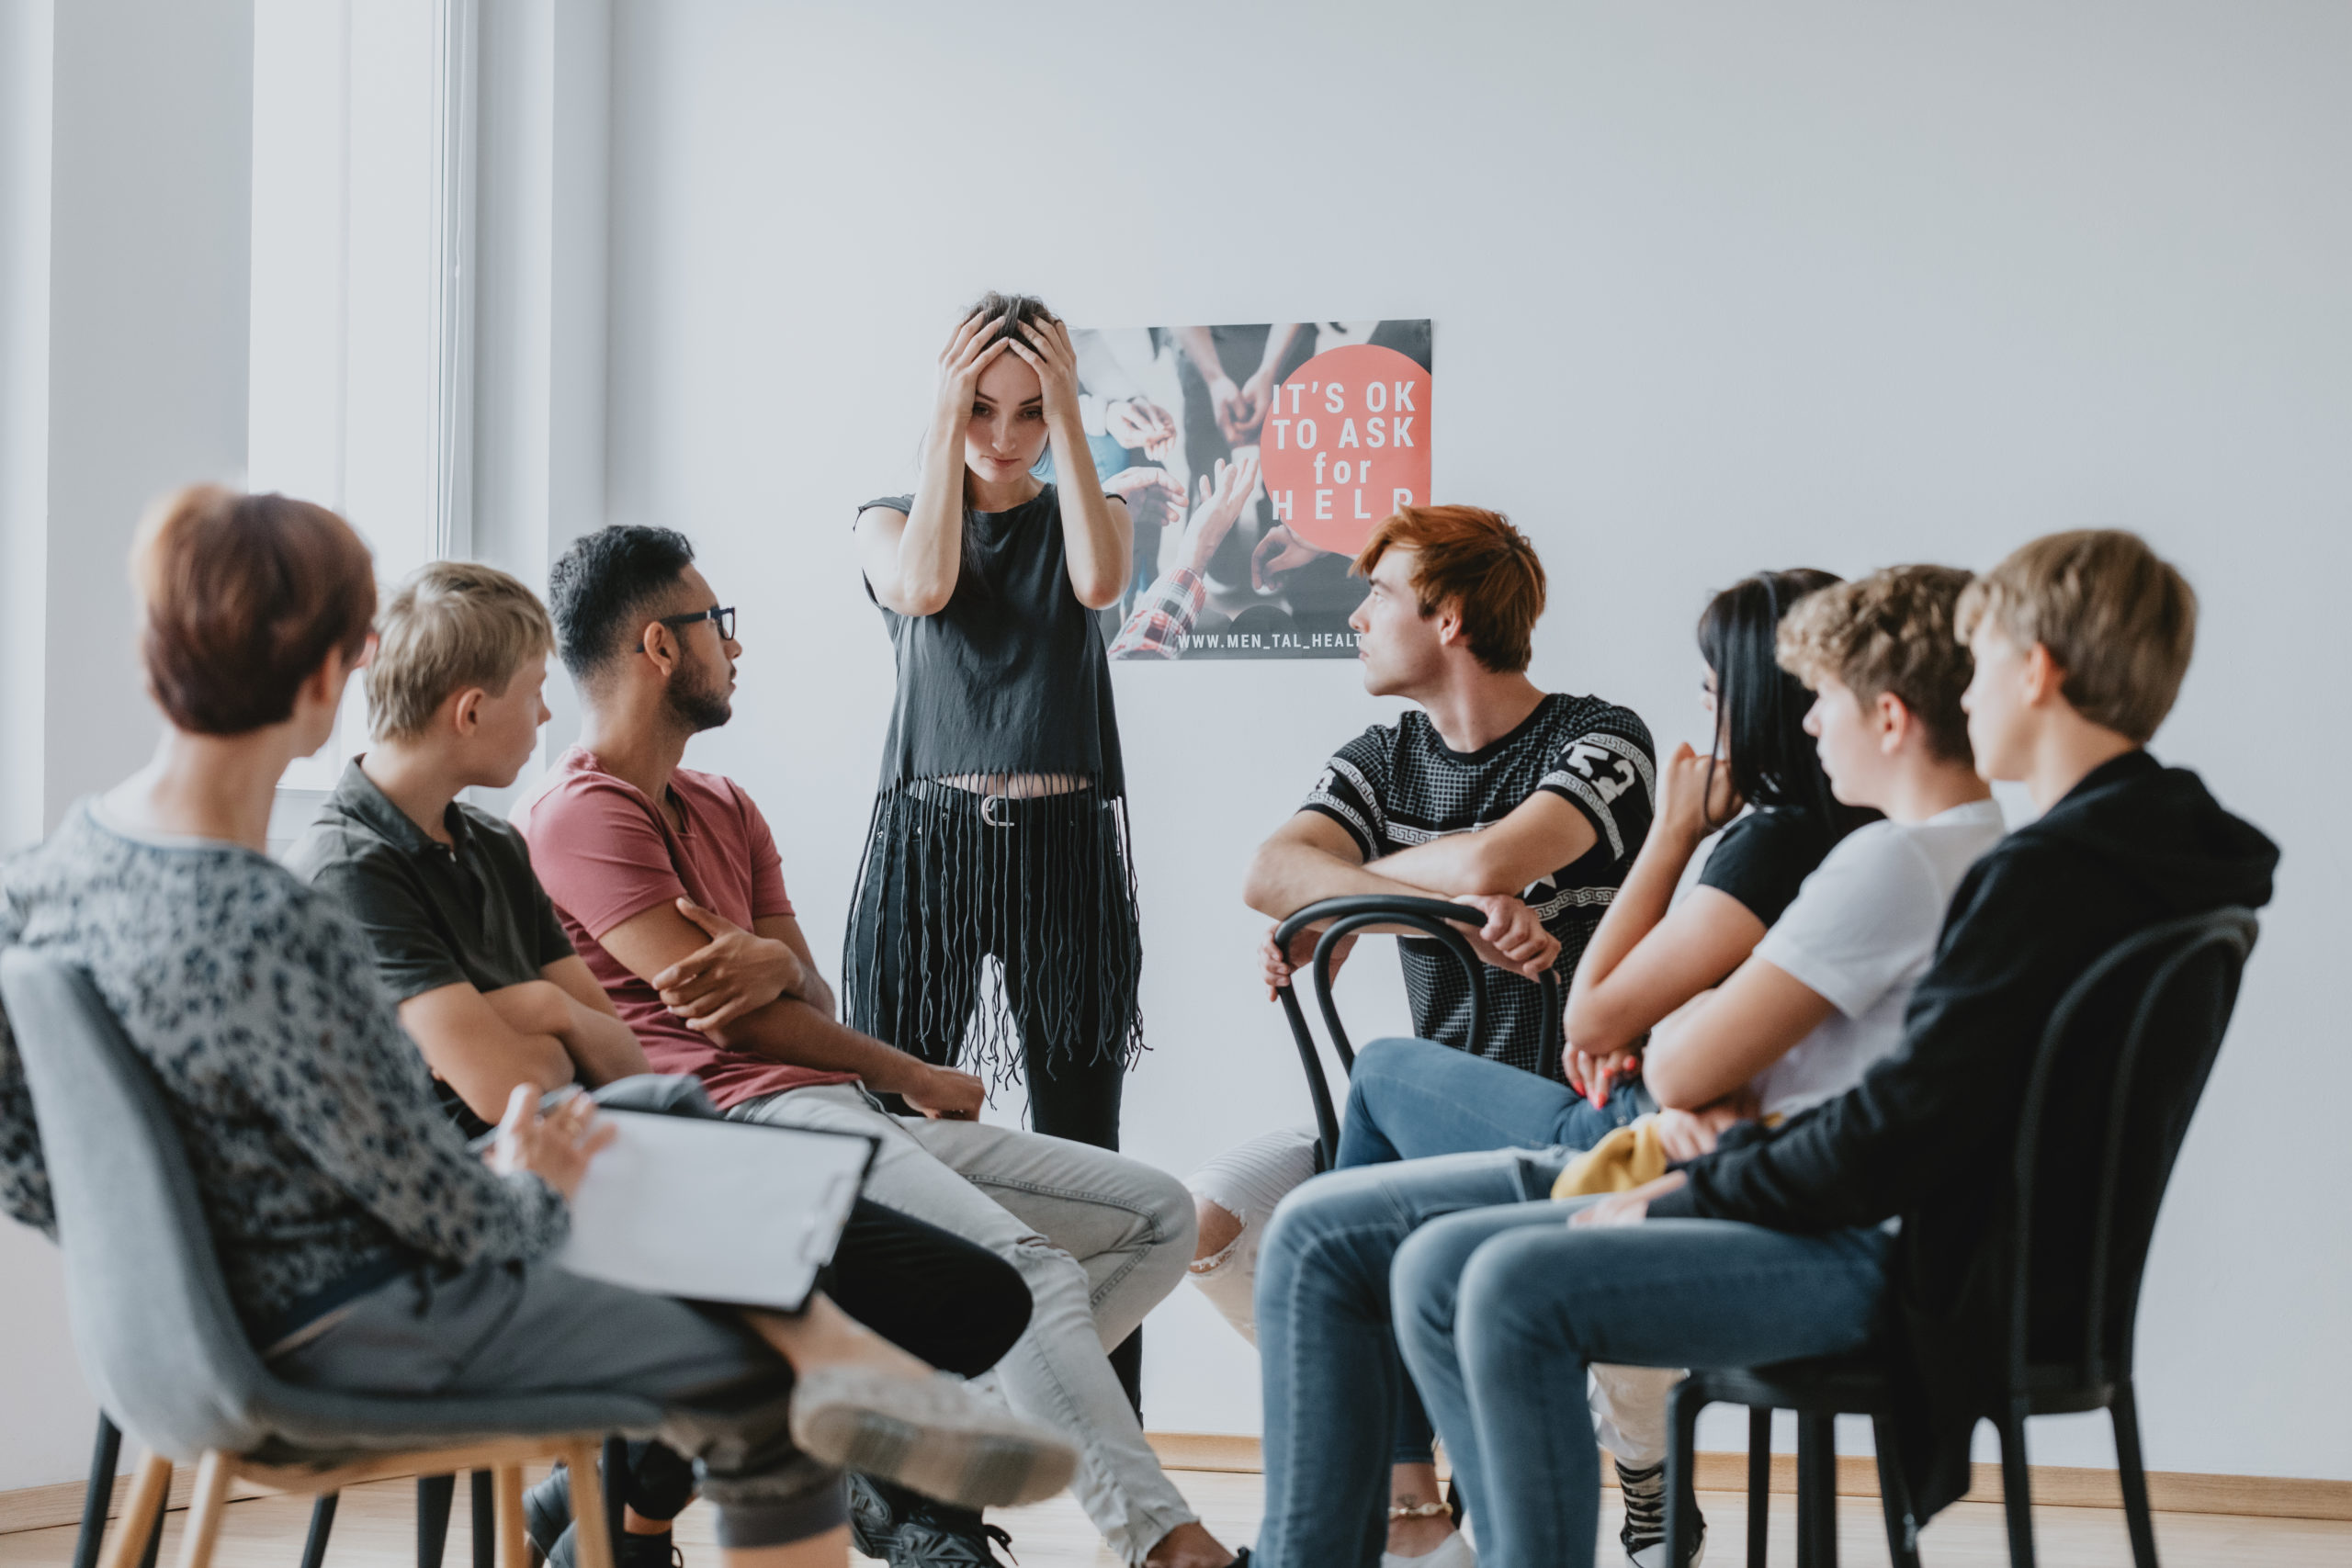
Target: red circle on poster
[{"x": 1345, "y": 443}]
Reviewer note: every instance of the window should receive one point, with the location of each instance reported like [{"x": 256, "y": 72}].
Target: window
[{"x": 362, "y": 347}]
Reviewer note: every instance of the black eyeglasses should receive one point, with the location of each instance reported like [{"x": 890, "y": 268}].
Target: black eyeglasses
[{"x": 724, "y": 619}]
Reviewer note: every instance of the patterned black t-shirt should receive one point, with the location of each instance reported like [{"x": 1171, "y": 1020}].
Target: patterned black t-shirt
[{"x": 1398, "y": 785}]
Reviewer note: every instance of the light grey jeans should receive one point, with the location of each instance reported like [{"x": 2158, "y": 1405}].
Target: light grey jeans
[{"x": 1100, "y": 1238}]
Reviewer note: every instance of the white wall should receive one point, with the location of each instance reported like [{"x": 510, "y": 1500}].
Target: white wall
[
  {"x": 125, "y": 137},
  {"x": 1716, "y": 288}
]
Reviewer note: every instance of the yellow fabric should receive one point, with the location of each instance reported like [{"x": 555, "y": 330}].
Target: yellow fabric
[
  {"x": 1619, "y": 1163},
  {"x": 1629, "y": 1157}
]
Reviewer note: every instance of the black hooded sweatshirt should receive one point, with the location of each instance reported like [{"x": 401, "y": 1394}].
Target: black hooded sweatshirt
[{"x": 1930, "y": 1132}]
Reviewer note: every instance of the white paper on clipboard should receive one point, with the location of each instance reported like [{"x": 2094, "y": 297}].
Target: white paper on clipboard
[{"x": 714, "y": 1211}]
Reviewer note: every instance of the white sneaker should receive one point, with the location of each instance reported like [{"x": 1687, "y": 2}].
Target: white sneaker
[{"x": 1455, "y": 1553}]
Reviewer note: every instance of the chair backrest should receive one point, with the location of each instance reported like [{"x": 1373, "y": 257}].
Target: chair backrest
[
  {"x": 1436, "y": 918},
  {"x": 2122, "y": 1064},
  {"x": 157, "y": 1336}
]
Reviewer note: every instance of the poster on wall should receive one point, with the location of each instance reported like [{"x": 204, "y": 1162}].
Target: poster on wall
[{"x": 1255, "y": 461}]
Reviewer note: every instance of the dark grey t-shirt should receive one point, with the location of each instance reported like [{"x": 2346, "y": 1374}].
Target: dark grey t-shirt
[
  {"x": 433, "y": 915},
  {"x": 1011, "y": 676}
]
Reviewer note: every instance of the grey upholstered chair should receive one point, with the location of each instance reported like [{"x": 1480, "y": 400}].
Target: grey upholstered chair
[{"x": 161, "y": 1347}]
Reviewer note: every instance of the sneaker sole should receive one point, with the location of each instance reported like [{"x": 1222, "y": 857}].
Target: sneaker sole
[{"x": 932, "y": 1436}]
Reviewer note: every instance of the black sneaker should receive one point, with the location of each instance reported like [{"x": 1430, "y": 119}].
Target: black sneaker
[
  {"x": 634, "y": 1551},
  {"x": 1644, "y": 1534},
  {"x": 905, "y": 1530}
]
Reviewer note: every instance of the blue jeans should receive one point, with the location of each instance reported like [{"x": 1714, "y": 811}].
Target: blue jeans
[
  {"x": 1336, "y": 1392},
  {"x": 1500, "y": 1311},
  {"x": 1412, "y": 1098}
]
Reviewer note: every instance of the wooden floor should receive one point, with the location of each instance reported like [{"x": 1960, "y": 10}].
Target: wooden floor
[{"x": 374, "y": 1528}]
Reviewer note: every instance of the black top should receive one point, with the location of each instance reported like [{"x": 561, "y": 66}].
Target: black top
[
  {"x": 1398, "y": 785},
  {"x": 1764, "y": 857},
  {"x": 1010, "y": 677},
  {"x": 433, "y": 915},
  {"x": 1929, "y": 1129}
]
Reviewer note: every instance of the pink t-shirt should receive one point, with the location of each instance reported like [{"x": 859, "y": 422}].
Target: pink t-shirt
[{"x": 606, "y": 854}]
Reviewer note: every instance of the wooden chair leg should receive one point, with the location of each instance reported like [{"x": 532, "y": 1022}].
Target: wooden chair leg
[
  {"x": 314, "y": 1545},
  {"x": 154, "y": 1542},
  {"x": 2017, "y": 1488},
  {"x": 213, "y": 1473},
  {"x": 1760, "y": 1488},
  {"x": 592, "y": 1540},
  {"x": 142, "y": 1516},
  {"x": 506, "y": 1493},
  {"x": 2125, "y": 1413},
  {"x": 106, "y": 1452}
]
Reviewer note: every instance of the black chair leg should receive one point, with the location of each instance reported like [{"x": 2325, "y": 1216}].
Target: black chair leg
[
  {"x": 2017, "y": 1490},
  {"x": 434, "y": 1496},
  {"x": 1895, "y": 1497},
  {"x": 314, "y": 1545},
  {"x": 106, "y": 1452},
  {"x": 615, "y": 1489},
  {"x": 485, "y": 1522},
  {"x": 2125, "y": 1413},
  {"x": 1682, "y": 1468},
  {"x": 1817, "y": 1490},
  {"x": 1760, "y": 1488}
]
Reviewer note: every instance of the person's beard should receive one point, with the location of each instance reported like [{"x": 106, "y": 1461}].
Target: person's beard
[{"x": 699, "y": 702}]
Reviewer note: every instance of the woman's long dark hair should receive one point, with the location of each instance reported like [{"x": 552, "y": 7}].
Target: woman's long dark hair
[
  {"x": 1004, "y": 310},
  {"x": 1760, "y": 708}
]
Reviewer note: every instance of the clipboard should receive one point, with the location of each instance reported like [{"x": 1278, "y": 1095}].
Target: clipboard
[{"x": 720, "y": 1211}]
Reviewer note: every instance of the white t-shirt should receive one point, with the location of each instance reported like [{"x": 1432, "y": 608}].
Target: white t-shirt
[{"x": 1859, "y": 935}]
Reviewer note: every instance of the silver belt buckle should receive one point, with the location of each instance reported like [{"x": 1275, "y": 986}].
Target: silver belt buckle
[{"x": 988, "y": 810}]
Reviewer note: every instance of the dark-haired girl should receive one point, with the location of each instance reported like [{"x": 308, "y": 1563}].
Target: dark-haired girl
[{"x": 999, "y": 829}]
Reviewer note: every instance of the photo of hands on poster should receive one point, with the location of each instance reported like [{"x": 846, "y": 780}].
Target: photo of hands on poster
[{"x": 1255, "y": 461}]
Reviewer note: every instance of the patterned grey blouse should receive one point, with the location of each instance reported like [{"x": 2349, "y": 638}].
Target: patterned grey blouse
[{"x": 309, "y": 1116}]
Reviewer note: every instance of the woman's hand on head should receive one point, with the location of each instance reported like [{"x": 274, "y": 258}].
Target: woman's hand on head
[
  {"x": 1045, "y": 346},
  {"x": 1694, "y": 795},
  {"x": 970, "y": 350},
  {"x": 556, "y": 1147}
]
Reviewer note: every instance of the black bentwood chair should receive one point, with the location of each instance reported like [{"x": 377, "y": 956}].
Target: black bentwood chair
[
  {"x": 2177, "y": 984},
  {"x": 1434, "y": 918}
]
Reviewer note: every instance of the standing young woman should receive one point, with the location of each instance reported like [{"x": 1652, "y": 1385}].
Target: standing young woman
[{"x": 999, "y": 829}]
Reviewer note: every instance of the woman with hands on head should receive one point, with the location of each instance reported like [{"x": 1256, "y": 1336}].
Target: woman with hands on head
[{"x": 1000, "y": 826}]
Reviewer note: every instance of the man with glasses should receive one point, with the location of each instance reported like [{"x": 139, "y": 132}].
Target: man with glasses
[{"x": 670, "y": 886}]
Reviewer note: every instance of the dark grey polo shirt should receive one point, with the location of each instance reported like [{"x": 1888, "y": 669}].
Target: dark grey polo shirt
[{"x": 434, "y": 914}]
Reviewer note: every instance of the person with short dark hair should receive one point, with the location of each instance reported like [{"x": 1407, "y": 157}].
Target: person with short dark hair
[
  {"x": 669, "y": 883},
  {"x": 1500, "y": 1312}
]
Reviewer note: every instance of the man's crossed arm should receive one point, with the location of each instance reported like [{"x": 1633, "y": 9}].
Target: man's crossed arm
[
  {"x": 758, "y": 991},
  {"x": 547, "y": 1032}
]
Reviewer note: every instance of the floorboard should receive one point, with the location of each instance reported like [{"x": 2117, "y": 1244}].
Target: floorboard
[{"x": 374, "y": 1528}]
